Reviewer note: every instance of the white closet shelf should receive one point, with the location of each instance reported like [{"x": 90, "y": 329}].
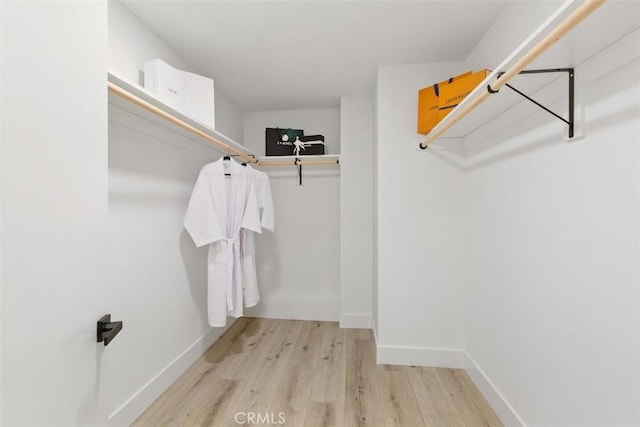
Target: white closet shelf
[
  {"x": 138, "y": 101},
  {"x": 583, "y": 33}
]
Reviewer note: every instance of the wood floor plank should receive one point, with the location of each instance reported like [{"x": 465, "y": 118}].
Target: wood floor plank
[
  {"x": 458, "y": 394},
  {"x": 205, "y": 407},
  {"x": 363, "y": 403},
  {"x": 256, "y": 340},
  {"x": 400, "y": 405},
  {"x": 434, "y": 402},
  {"x": 360, "y": 334},
  {"x": 266, "y": 372},
  {"x": 321, "y": 414},
  {"x": 474, "y": 395},
  {"x": 292, "y": 395},
  {"x": 209, "y": 366},
  {"x": 329, "y": 378},
  {"x": 316, "y": 374}
]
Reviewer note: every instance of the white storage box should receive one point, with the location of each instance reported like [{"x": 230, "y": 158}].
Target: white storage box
[{"x": 188, "y": 93}]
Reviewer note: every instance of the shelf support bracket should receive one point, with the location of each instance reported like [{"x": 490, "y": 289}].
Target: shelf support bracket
[{"x": 570, "y": 72}]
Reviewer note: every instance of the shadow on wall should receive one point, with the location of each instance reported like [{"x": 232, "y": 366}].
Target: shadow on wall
[
  {"x": 194, "y": 261},
  {"x": 614, "y": 118},
  {"x": 89, "y": 411},
  {"x": 546, "y": 140},
  {"x": 140, "y": 198},
  {"x": 542, "y": 131},
  {"x": 290, "y": 174},
  {"x": 267, "y": 265},
  {"x": 156, "y": 152},
  {"x": 549, "y": 135},
  {"x": 509, "y": 131},
  {"x": 448, "y": 156}
]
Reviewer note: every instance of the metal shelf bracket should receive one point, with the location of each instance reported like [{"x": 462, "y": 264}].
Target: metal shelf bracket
[{"x": 570, "y": 72}]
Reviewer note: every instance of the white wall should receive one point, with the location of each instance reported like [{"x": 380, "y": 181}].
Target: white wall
[
  {"x": 375, "y": 304},
  {"x": 157, "y": 278},
  {"x": 356, "y": 213},
  {"x": 299, "y": 265},
  {"x": 553, "y": 248},
  {"x": 514, "y": 25},
  {"x": 607, "y": 24},
  {"x": 1, "y": 214},
  {"x": 420, "y": 230},
  {"x": 54, "y": 212},
  {"x": 229, "y": 117},
  {"x": 131, "y": 43}
]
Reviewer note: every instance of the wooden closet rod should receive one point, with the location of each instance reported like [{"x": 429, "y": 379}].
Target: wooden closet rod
[
  {"x": 223, "y": 146},
  {"x": 560, "y": 31}
]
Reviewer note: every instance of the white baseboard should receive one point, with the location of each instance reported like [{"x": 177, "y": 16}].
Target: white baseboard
[
  {"x": 127, "y": 413},
  {"x": 296, "y": 309},
  {"x": 419, "y": 356},
  {"x": 498, "y": 403},
  {"x": 375, "y": 339},
  {"x": 445, "y": 358},
  {"x": 355, "y": 320},
  {"x": 375, "y": 333}
]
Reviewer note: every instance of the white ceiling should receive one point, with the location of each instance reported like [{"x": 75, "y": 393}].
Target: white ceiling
[{"x": 307, "y": 54}]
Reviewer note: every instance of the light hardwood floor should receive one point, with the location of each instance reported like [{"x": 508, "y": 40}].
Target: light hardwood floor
[{"x": 266, "y": 371}]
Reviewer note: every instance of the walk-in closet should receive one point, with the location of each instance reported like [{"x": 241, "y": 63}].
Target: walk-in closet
[{"x": 319, "y": 213}]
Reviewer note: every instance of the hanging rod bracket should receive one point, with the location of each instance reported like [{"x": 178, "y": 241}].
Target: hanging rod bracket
[
  {"x": 491, "y": 91},
  {"x": 571, "y": 94},
  {"x": 298, "y": 165}
]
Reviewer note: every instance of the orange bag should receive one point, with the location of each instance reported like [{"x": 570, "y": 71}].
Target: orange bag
[
  {"x": 452, "y": 94},
  {"x": 429, "y": 105}
]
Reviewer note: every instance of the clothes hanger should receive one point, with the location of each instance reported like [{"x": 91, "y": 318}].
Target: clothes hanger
[{"x": 226, "y": 157}]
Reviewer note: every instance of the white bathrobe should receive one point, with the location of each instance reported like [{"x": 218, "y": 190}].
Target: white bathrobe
[
  {"x": 267, "y": 220},
  {"x": 219, "y": 208}
]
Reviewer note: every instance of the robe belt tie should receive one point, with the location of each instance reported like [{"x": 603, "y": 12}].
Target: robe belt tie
[{"x": 233, "y": 257}]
